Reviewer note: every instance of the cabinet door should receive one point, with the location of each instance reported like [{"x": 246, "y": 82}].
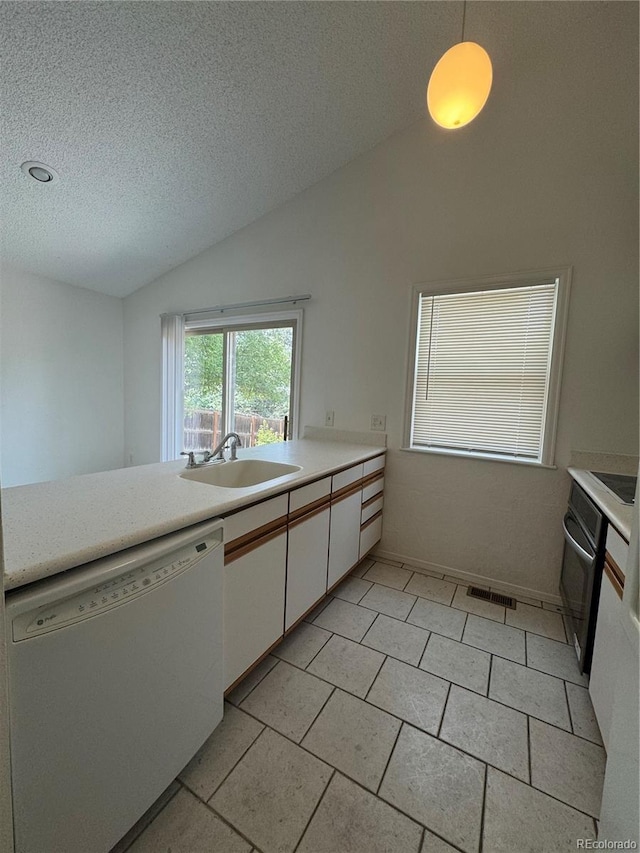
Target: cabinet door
[
  {"x": 306, "y": 563},
  {"x": 344, "y": 536},
  {"x": 605, "y": 655},
  {"x": 254, "y": 579}
]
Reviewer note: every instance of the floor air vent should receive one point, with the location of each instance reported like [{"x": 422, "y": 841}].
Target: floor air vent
[{"x": 495, "y": 597}]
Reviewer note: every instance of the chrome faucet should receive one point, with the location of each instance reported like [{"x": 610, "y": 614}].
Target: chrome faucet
[
  {"x": 217, "y": 454},
  {"x": 218, "y": 451}
]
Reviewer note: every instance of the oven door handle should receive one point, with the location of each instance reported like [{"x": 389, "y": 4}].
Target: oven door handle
[{"x": 590, "y": 558}]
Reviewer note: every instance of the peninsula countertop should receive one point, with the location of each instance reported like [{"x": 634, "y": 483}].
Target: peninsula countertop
[{"x": 54, "y": 526}]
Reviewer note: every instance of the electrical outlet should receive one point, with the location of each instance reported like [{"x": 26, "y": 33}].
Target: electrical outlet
[
  {"x": 379, "y": 422},
  {"x": 328, "y": 418}
]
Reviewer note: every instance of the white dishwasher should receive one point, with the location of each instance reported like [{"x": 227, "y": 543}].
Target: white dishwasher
[{"x": 116, "y": 680}]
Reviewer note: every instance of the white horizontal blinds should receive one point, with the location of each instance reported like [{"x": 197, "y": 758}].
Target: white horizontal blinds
[{"x": 482, "y": 370}]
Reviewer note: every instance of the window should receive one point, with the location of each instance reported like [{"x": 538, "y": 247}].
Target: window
[
  {"x": 486, "y": 362},
  {"x": 234, "y": 374}
]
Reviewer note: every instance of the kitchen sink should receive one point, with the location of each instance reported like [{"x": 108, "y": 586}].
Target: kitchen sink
[{"x": 239, "y": 474}]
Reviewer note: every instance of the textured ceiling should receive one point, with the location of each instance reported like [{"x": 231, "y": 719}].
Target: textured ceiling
[{"x": 172, "y": 125}]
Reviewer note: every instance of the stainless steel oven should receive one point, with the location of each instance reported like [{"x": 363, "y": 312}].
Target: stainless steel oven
[{"x": 585, "y": 530}]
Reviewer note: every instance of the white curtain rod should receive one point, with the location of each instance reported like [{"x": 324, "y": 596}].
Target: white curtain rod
[{"x": 284, "y": 300}]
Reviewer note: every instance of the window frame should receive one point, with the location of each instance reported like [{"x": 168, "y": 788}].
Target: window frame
[
  {"x": 562, "y": 275},
  {"x": 173, "y": 369}
]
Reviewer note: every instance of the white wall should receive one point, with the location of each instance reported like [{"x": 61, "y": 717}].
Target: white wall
[
  {"x": 61, "y": 379},
  {"x": 547, "y": 175}
]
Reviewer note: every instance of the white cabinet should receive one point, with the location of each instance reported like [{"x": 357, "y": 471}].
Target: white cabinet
[
  {"x": 306, "y": 563},
  {"x": 255, "y": 564},
  {"x": 605, "y": 650},
  {"x": 344, "y": 536}
]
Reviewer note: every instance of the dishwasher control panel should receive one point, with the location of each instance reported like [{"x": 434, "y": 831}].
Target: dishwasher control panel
[{"x": 106, "y": 595}]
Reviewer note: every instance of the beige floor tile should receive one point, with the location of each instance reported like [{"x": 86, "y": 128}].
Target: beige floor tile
[
  {"x": 362, "y": 567},
  {"x": 457, "y": 662},
  {"x": 347, "y": 665},
  {"x": 519, "y": 818},
  {"x": 387, "y": 575},
  {"x": 249, "y": 682},
  {"x": 317, "y": 610},
  {"x": 398, "y": 639},
  {"x": 386, "y": 560},
  {"x": 273, "y": 791},
  {"x": 583, "y": 718},
  {"x": 350, "y": 820},
  {"x": 554, "y": 658},
  {"x": 488, "y": 730},
  {"x": 567, "y": 767},
  {"x": 352, "y": 589},
  {"x": 354, "y": 737},
  {"x": 221, "y": 752},
  {"x": 529, "y": 691},
  {"x": 390, "y": 601},
  {"x": 288, "y": 700},
  {"x": 346, "y": 619},
  {"x": 431, "y": 572},
  {"x": 302, "y": 645},
  {"x": 460, "y": 581},
  {"x": 537, "y": 621},
  {"x": 437, "y": 617},
  {"x": 477, "y": 606},
  {"x": 411, "y": 694},
  {"x": 534, "y": 602},
  {"x": 436, "y": 785},
  {"x": 495, "y": 638},
  {"x": 186, "y": 825},
  {"x": 432, "y": 844},
  {"x": 430, "y": 587}
]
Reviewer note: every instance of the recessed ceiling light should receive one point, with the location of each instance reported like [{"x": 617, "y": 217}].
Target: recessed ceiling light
[{"x": 39, "y": 172}]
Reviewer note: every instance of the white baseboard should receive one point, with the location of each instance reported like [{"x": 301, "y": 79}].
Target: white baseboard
[{"x": 469, "y": 577}]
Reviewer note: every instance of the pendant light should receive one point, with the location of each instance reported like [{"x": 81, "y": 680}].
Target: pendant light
[{"x": 460, "y": 83}]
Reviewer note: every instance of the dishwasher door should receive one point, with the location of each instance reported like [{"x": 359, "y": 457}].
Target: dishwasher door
[{"x": 115, "y": 677}]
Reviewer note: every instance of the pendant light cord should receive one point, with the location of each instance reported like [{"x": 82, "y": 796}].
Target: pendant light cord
[{"x": 464, "y": 15}]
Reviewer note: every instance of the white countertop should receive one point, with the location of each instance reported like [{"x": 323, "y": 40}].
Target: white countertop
[
  {"x": 619, "y": 514},
  {"x": 54, "y": 526}
]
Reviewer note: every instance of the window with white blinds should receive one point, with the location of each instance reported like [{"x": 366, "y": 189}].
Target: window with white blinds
[{"x": 483, "y": 371}]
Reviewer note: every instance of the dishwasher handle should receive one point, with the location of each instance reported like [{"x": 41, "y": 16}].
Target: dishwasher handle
[{"x": 589, "y": 557}]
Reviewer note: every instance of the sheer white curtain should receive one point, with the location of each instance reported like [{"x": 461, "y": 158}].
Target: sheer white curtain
[{"x": 172, "y": 326}]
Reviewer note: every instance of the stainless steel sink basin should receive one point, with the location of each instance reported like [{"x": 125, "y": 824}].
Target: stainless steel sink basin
[{"x": 239, "y": 474}]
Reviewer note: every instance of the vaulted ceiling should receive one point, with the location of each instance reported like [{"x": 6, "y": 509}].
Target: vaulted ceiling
[{"x": 173, "y": 124}]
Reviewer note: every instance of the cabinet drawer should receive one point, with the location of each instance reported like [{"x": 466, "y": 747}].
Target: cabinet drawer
[
  {"x": 346, "y": 478},
  {"x": 370, "y": 533},
  {"x": 371, "y": 508},
  {"x": 252, "y": 522},
  {"x": 617, "y": 547},
  {"x": 372, "y": 465},
  {"x": 306, "y": 495},
  {"x": 373, "y": 488}
]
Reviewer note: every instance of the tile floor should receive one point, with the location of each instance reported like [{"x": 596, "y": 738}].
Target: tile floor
[{"x": 401, "y": 717}]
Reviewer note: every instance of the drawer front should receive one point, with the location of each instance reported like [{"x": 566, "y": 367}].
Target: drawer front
[
  {"x": 372, "y": 465},
  {"x": 345, "y": 478},
  {"x": 247, "y": 522},
  {"x": 371, "y": 508},
  {"x": 306, "y": 495},
  {"x": 617, "y": 547},
  {"x": 370, "y": 533},
  {"x": 374, "y": 488}
]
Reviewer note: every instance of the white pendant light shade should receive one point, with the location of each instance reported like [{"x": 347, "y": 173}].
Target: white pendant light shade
[{"x": 459, "y": 85}]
